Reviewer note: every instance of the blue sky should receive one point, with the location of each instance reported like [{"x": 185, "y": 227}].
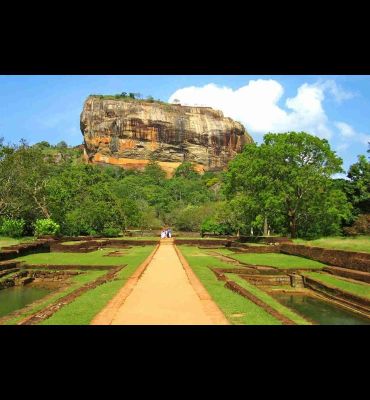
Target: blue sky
[{"x": 48, "y": 107}]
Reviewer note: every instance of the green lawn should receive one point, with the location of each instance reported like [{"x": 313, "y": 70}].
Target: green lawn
[
  {"x": 7, "y": 241},
  {"x": 82, "y": 310},
  {"x": 225, "y": 251},
  {"x": 94, "y": 258},
  {"x": 237, "y": 309},
  {"x": 360, "y": 243},
  {"x": 283, "y": 261},
  {"x": 359, "y": 289}
]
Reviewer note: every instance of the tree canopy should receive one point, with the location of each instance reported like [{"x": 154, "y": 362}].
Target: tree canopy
[
  {"x": 284, "y": 186},
  {"x": 287, "y": 182}
]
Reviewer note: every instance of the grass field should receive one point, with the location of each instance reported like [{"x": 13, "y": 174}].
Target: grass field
[
  {"x": 359, "y": 289},
  {"x": 360, "y": 243},
  {"x": 237, "y": 309},
  {"x": 7, "y": 241},
  {"x": 283, "y": 261},
  {"x": 82, "y": 310},
  {"x": 97, "y": 257}
]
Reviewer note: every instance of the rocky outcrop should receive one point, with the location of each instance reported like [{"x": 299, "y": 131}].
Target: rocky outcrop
[{"x": 130, "y": 133}]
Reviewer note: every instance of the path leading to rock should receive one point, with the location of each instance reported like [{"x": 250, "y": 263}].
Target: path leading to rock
[{"x": 167, "y": 293}]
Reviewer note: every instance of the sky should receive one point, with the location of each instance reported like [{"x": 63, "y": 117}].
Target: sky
[{"x": 337, "y": 108}]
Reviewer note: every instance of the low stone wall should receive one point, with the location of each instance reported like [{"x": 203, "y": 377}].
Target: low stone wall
[
  {"x": 358, "y": 302},
  {"x": 243, "y": 248},
  {"x": 70, "y": 267},
  {"x": 17, "y": 279},
  {"x": 39, "y": 246},
  {"x": 199, "y": 242},
  {"x": 338, "y": 258},
  {"x": 4, "y": 265},
  {"x": 58, "y": 304},
  {"x": 245, "y": 293},
  {"x": 8, "y": 272},
  {"x": 349, "y": 273},
  {"x": 52, "y": 275},
  {"x": 122, "y": 244},
  {"x": 273, "y": 280},
  {"x": 93, "y": 245},
  {"x": 263, "y": 239},
  {"x": 24, "y": 277},
  {"x": 84, "y": 247}
]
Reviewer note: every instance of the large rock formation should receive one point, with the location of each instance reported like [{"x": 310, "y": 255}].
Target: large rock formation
[{"x": 130, "y": 132}]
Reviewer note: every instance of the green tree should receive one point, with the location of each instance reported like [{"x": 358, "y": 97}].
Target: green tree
[
  {"x": 358, "y": 189},
  {"x": 24, "y": 175},
  {"x": 286, "y": 179},
  {"x": 62, "y": 145},
  {"x": 154, "y": 173},
  {"x": 43, "y": 145}
]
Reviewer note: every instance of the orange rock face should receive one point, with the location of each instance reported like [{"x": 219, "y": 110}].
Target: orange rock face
[{"x": 130, "y": 133}]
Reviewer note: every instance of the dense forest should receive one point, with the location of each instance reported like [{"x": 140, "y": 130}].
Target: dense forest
[{"x": 283, "y": 186}]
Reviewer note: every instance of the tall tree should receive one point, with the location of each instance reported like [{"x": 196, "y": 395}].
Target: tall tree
[{"x": 285, "y": 178}]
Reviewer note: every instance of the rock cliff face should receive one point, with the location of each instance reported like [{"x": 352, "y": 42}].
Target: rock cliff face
[{"x": 129, "y": 133}]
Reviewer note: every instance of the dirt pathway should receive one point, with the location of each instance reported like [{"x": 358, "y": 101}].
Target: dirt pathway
[{"x": 167, "y": 293}]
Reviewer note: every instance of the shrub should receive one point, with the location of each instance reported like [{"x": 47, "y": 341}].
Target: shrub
[
  {"x": 212, "y": 226},
  {"x": 12, "y": 227},
  {"x": 111, "y": 232},
  {"x": 46, "y": 227}
]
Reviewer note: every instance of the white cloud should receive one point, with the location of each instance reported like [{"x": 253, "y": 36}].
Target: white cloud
[
  {"x": 336, "y": 90},
  {"x": 345, "y": 130},
  {"x": 256, "y": 105},
  {"x": 342, "y": 147}
]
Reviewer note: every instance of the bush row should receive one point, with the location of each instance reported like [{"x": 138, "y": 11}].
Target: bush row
[{"x": 15, "y": 227}]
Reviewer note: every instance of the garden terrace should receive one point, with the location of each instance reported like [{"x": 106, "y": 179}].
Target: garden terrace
[
  {"x": 339, "y": 258},
  {"x": 41, "y": 245},
  {"x": 88, "y": 279},
  {"x": 243, "y": 281},
  {"x": 280, "y": 261},
  {"x": 238, "y": 309},
  {"x": 334, "y": 290},
  {"x": 256, "y": 282},
  {"x": 7, "y": 241},
  {"x": 349, "y": 273},
  {"x": 360, "y": 243}
]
